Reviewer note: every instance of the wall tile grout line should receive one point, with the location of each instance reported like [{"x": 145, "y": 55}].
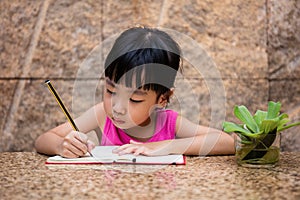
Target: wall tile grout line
[
  {"x": 162, "y": 14},
  {"x": 10, "y": 118},
  {"x": 267, "y": 44}
]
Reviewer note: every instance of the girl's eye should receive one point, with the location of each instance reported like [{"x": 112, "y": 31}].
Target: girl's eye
[
  {"x": 136, "y": 101},
  {"x": 110, "y": 92}
]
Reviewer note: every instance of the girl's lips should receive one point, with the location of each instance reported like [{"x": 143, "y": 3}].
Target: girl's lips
[{"x": 118, "y": 121}]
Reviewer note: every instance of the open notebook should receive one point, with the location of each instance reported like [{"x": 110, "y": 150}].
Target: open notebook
[{"x": 104, "y": 155}]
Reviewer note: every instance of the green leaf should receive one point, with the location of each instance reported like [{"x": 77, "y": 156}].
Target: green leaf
[
  {"x": 273, "y": 109},
  {"x": 283, "y": 116},
  {"x": 246, "y": 142},
  {"x": 288, "y": 126},
  {"x": 259, "y": 116},
  {"x": 243, "y": 114},
  {"x": 245, "y": 139},
  {"x": 230, "y": 127},
  {"x": 268, "y": 125},
  {"x": 282, "y": 123}
]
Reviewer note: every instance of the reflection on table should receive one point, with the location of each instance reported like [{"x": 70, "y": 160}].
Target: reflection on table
[{"x": 24, "y": 175}]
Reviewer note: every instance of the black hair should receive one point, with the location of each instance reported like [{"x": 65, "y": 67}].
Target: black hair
[{"x": 145, "y": 58}]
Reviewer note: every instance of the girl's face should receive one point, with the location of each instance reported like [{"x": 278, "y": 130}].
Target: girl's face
[{"x": 129, "y": 107}]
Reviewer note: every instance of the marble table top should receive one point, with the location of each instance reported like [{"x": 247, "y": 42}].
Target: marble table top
[{"x": 24, "y": 175}]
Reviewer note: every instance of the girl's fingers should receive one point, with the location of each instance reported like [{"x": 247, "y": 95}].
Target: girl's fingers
[
  {"x": 77, "y": 143},
  {"x": 68, "y": 154},
  {"x": 121, "y": 148},
  {"x": 140, "y": 151},
  {"x": 81, "y": 137},
  {"x": 126, "y": 146},
  {"x": 126, "y": 149},
  {"x": 134, "y": 147},
  {"x": 90, "y": 145},
  {"x": 69, "y": 151}
]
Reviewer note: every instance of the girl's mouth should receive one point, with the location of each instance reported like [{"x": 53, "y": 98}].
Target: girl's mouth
[{"x": 118, "y": 121}]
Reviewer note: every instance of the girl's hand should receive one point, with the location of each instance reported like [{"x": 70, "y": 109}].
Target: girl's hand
[
  {"x": 147, "y": 149},
  {"x": 75, "y": 144}
]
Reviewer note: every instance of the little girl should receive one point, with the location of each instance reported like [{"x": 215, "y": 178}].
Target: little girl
[{"x": 140, "y": 71}]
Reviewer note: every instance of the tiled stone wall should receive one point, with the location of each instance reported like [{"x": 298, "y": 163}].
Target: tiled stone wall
[
  {"x": 251, "y": 55},
  {"x": 284, "y": 63}
]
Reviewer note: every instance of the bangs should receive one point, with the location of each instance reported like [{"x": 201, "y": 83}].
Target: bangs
[{"x": 143, "y": 68}]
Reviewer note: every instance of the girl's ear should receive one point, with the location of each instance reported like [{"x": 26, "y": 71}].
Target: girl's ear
[{"x": 164, "y": 98}]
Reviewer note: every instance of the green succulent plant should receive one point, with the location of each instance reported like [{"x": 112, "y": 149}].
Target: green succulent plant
[
  {"x": 260, "y": 124},
  {"x": 257, "y": 133}
]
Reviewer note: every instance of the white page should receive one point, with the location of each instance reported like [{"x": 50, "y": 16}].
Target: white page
[{"x": 105, "y": 153}]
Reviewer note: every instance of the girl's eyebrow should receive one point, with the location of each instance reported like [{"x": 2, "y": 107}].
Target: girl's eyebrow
[{"x": 137, "y": 91}]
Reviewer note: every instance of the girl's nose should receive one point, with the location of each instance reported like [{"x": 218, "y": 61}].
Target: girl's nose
[{"x": 119, "y": 108}]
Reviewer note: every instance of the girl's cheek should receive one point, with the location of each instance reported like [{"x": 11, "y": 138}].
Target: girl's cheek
[{"x": 107, "y": 105}]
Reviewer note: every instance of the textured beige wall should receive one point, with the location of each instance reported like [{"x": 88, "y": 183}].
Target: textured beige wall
[{"x": 252, "y": 45}]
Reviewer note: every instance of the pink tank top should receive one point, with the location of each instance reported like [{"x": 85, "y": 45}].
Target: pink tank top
[{"x": 165, "y": 129}]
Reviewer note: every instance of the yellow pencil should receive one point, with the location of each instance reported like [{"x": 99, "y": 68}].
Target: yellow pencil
[{"x": 61, "y": 104}]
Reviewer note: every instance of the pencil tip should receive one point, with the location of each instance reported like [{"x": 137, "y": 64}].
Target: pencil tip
[{"x": 47, "y": 81}]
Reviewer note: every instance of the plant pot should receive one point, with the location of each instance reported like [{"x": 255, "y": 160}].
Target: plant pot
[{"x": 259, "y": 153}]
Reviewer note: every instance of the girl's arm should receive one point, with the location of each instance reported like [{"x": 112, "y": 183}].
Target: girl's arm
[
  {"x": 201, "y": 140},
  {"x": 192, "y": 139},
  {"x": 62, "y": 140}
]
